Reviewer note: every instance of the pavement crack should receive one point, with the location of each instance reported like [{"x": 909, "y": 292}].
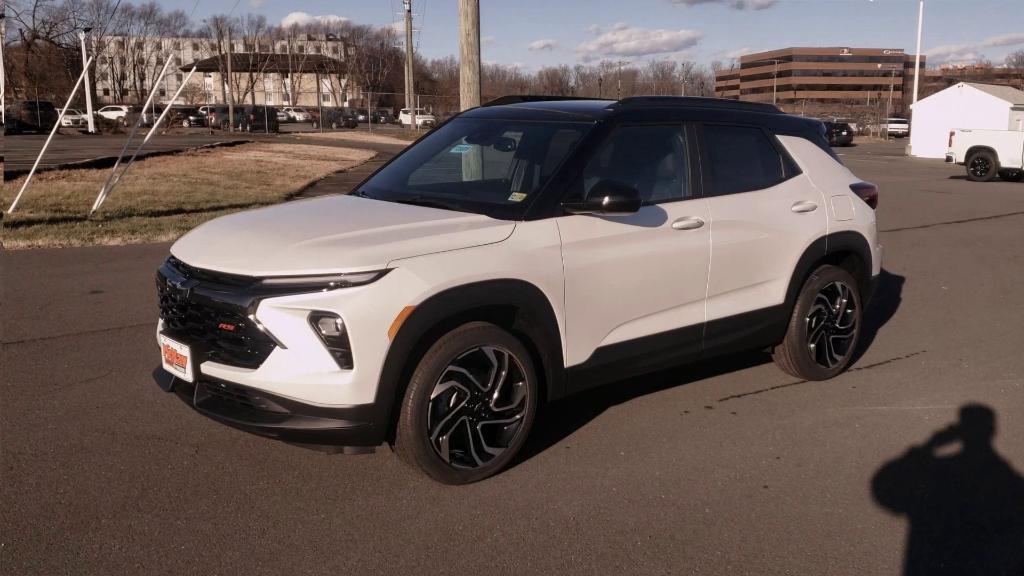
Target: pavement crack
[
  {"x": 798, "y": 382},
  {"x": 964, "y": 221},
  {"x": 83, "y": 332}
]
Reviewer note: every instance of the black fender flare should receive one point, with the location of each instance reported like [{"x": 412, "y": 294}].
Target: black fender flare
[
  {"x": 525, "y": 310},
  {"x": 846, "y": 241}
]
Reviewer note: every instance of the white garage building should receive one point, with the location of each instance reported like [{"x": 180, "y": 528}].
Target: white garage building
[{"x": 965, "y": 105}]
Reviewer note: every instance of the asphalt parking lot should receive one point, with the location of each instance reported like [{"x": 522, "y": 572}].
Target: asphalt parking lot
[{"x": 724, "y": 468}]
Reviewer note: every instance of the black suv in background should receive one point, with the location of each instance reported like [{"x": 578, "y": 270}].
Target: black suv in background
[
  {"x": 257, "y": 119},
  {"x": 30, "y": 116},
  {"x": 839, "y": 133},
  {"x": 340, "y": 117}
]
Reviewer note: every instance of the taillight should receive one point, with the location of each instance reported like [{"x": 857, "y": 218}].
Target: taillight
[
  {"x": 951, "y": 133},
  {"x": 867, "y": 192}
]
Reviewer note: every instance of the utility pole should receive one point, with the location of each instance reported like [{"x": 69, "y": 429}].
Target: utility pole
[
  {"x": 469, "y": 54},
  {"x": 231, "y": 95},
  {"x": 3, "y": 71},
  {"x": 88, "y": 89},
  {"x": 618, "y": 91},
  {"x": 410, "y": 102}
]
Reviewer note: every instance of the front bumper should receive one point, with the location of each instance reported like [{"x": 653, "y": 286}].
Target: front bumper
[
  {"x": 349, "y": 429},
  {"x": 950, "y": 159}
]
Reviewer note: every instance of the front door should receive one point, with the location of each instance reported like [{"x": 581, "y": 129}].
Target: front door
[{"x": 635, "y": 285}]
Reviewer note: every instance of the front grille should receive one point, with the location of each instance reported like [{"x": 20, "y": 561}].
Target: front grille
[{"x": 204, "y": 312}]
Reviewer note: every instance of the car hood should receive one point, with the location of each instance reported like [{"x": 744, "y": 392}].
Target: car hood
[{"x": 331, "y": 234}]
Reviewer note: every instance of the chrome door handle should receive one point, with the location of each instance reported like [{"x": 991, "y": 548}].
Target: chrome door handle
[
  {"x": 690, "y": 223},
  {"x": 801, "y": 207}
]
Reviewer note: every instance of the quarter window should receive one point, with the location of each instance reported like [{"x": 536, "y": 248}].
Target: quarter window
[
  {"x": 650, "y": 159},
  {"x": 742, "y": 159}
]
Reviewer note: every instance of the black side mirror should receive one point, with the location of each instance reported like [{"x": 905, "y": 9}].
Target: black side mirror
[{"x": 607, "y": 197}]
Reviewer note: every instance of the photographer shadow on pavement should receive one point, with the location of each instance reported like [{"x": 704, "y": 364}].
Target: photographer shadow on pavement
[{"x": 966, "y": 509}]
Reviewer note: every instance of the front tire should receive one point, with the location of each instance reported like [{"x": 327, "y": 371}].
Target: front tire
[
  {"x": 824, "y": 327},
  {"x": 469, "y": 405},
  {"x": 982, "y": 166}
]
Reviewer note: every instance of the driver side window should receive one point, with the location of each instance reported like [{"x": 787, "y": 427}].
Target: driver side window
[{"x": 651, "y": 159}]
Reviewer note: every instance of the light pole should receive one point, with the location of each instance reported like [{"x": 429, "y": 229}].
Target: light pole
[
  {"x": 618, "y": 90},
  {"x": 3, "y": 71},
  {"x": 775, "y": 81},
  {"x": 917, "y": 70},
  {"x": 88, "y": 89}
]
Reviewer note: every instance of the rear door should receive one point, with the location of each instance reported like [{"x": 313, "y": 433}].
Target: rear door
[
  {"x": 764, "y": 215},
  {"x": 635, "y": 284}
]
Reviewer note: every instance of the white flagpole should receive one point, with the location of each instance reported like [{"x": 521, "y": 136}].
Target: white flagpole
[
  {"x": 135, "y": 128},
  {"x": 107, "y": 191},
  {"x": 53, "y": 131}
]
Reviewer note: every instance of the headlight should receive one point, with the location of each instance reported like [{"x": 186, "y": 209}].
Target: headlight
[{"x": 323, "y": 281}]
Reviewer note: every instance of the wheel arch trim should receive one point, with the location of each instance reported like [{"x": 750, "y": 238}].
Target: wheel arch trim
[
  {"x": 533, "y": 320},
  {"x": 846, "y": 241}
]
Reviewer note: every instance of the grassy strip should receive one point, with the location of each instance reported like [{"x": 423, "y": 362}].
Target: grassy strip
[{"x": 163, "y": 197}]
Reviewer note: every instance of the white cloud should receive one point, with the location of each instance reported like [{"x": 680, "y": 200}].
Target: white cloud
[
  {"x": 971, "y": 51},
  {"x": 735, "y": 4},
  {"x": 593, "y": 29},
  {"x": 623, "y": 40},
  {"x": 543, "y": 44},
  {"x": 303, "y": 18}
]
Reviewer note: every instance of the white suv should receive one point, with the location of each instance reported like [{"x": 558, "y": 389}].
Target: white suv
[
  {"x": 296, "y": 114},
  {"x": 519, "y": 253},
  {"x": 424, "y": 119}
]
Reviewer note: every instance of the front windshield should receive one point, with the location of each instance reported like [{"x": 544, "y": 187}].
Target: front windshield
[{"x": 491, "y": 167}]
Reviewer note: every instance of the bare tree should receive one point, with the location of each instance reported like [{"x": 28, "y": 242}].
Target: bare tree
[{"x": 1015, "y": 59}]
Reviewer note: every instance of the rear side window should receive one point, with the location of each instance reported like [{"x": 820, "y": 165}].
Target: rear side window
[{"x": 742, "y": 159}]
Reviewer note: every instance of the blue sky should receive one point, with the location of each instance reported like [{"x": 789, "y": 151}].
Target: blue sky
[{"x": 535, "y": 33}]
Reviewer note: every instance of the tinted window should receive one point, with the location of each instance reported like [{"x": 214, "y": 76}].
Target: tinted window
[
  {"x": 741, "y": 159},
  {"x": 651, "y": 159},
  {"x": 492, "y": 167}
]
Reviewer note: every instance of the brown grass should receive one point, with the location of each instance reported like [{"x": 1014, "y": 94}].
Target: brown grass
[{"x": 163, "y": 197}]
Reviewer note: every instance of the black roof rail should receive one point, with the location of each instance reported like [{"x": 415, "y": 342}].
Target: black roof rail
[
  {"x": 695, "y": 102},
  {"x": 521, "y": 98}
]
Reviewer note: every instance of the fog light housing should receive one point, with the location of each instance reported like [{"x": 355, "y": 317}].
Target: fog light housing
[{"x": 331, "y": 330}]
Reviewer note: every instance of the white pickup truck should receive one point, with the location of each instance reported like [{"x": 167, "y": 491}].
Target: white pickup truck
[{"x": 987, "y": 153}]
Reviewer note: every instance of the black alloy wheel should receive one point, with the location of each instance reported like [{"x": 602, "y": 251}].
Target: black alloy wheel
[
  {"x": 981, "y": 167},
  {"x": 469, "y": 404}
]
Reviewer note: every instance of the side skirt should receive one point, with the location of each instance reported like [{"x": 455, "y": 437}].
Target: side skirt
[{"x": 623, "y": 360}]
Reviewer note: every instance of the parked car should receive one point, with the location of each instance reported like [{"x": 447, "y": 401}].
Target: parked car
[
  {"x": 217, "y": 116},
  {"x": 897, "y": 127},
  {"x": 188, "y": 118},
  {"x": 32, "y": 116},
  {"x": 335, "y": 118},
  {"x": 296, "y": 114},
  {"x": 839, "y": 134},
  {"x": 283, "y": 117},
  {"x": 437, "y": 311},
  {"x": 988, "y": 153},
  {"x": 257, "y": 119},
  {"x": 116, "y": 112},
  {"x": 424, "y": 119},
  {"x": 73, "y": 117}
]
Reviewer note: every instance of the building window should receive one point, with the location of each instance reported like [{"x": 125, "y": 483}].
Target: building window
[
  {"x": 179, "y": 77},
  {"x": 195, "y": 46},
  {"x": 177, "y": 60},
  {"x": 319, "y": 50},
  {"x": 163, "y": 92},
  {"x": 325, "y": 98},
  {"x": 106, "y": 91},
  {"x": 177, "y": 45}
]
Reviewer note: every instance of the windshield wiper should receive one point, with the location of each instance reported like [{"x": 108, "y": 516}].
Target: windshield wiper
[{"x": 419, "y": 201}]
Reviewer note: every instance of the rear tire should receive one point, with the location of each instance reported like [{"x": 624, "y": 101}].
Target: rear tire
[
  {"x": 982, "y": 166},
  {"x": 824, "y": 327},
  {"x": 1012, "y": 175},
  {"x": 469, "y": 405}
]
